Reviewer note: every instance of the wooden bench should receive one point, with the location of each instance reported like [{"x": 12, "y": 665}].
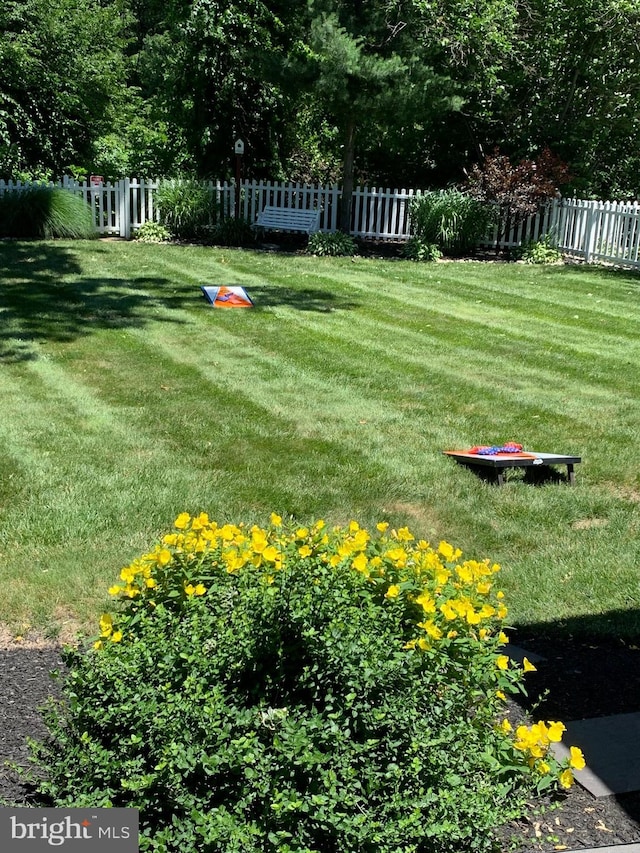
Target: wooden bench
[{"x": 274, "y": 218}]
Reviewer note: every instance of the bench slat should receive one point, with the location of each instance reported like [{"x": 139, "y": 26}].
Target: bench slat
[{"x": 288, "y": 219}]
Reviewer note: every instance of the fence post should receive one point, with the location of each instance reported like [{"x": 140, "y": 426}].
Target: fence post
[
  {"x": 590, "y": 231},
  {"x": 124, "y": 209}
]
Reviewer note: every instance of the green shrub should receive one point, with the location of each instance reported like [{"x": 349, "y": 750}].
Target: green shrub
[
  {"x": 336, "y": 244},
  {"x": 45, "y": 212},
  {"x": 417, "y": 249},
  {"x": 186, "y": 207},
  {"x": 233, "y": 232},
  {"x": 152, "y": 232},
  {"x": 542, "y": 251},
  {"x": 300, "y": 690},
  {"x": 451, "y": 219}
]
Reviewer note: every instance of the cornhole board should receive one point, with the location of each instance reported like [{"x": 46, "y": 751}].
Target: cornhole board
[
  {"x": 227, "y": 296},
  {"x": 499, "y": 462}
]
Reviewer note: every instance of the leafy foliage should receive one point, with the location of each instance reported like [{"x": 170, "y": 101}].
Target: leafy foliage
[
  {"x": 152, "y": 232},
  {"x": 543, "y": 251},
  {"x": 186, "y": 207},
  {"x": 335, "y": 243},
  {"x": 517, "y": 190},
  {"x": 233, "y": 232},
  {"x": 419, "y": 249},
  {"x": 300, "y": 689},
  {"x": 61, "y": 81},
  {"x": 452, "y": 220},
  {"x": 45, "y": 212},
  {"x": 573, "y": 85}
]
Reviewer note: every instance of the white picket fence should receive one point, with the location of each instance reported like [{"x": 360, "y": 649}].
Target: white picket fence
[{"x": 590, "y": 230}]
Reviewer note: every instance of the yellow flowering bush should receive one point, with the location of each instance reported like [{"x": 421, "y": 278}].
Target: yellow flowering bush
[{"x": 302, "y": 688}]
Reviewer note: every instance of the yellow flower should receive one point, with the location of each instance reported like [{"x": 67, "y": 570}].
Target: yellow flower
[
  {"x": 472, "y": 617},
  {"x": 465, "y": 573},
  {"x": 555, "y": 731},
  {"x": 506, "y": 726},
  {"x": 360, "y": 562},
  {"x": 106, "y": 624},
  {"x": 425, "y": 645},
  {"x": 258, "y": 540},
  {"x": 410, "y": 645},
  {"x": 116, "y": 637},
  {"x": 543, "y": 768},
  {"x": 200, "y": 589},
  {"x": 528, "y": 666},
  {"x": 431, "y": 629},
  {"x": 201, "y": 521},
  {"x": 98, "y": 645},
  {"x": 270, "y": 553},
  {"x": 501, "y": 695},
  {"x": 405, "y": 535},
  {"x": 502, "y": 637},
  {"x": 449, "y": 552},
  {"x": 276, "y": 520},
  {"x": 566, "y": 778},
  {"x": 114, "y": 590},
  {"x": 483, "y": 587},
  {"x": 190, "y": 589},
  {"x": 182, "y": 521},
  {"x": 305, "y": 551},
  {"x": 393, "y": 591},
  {"x": 577, "y": 758},
  {"x": 150, "y": 583},
  {"x": 382, "y": 526},
  {"x": 502, "y": 662},
  {"x": 447, "y": 611},
  {"x": 398, "y": 555},
  {"x": 427, "y": 602},
  {"x": 163, "y": 557}
]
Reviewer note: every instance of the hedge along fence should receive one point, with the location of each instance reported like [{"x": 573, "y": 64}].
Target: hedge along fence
[{"x": 606, "y": 231}]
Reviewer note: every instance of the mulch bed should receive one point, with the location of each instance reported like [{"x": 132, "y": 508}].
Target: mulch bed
[{"x": 583, "y": 679}]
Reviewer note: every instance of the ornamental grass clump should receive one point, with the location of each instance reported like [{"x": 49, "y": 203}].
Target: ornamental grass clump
[
  {"x": 45, "y": 212},
  {"x": 300, "y": 689}
]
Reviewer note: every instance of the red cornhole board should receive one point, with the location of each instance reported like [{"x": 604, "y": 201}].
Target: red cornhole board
[{"x": 499, "y": 462}]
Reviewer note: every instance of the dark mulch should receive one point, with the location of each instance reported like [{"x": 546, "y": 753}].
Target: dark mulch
[
  {"x": 580, "y": 678},
  {"x": 583, "y": 679}
]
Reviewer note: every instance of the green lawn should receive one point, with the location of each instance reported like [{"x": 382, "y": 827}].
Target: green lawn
[{"x": 126, "y": 399}]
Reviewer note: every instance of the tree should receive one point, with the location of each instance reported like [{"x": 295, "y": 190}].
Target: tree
[
  {"x": 205, "y": 72},
  {"x": 388, "y": 71},
  {"x": 61, "y": 79},
  {"x": 571, "y": 82}
]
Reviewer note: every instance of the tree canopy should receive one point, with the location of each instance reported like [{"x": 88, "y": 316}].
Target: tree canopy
[{"x": 388, "y": 92}]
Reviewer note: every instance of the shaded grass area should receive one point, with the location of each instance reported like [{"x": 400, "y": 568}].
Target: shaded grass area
[{"x": 127, "y": 399}]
